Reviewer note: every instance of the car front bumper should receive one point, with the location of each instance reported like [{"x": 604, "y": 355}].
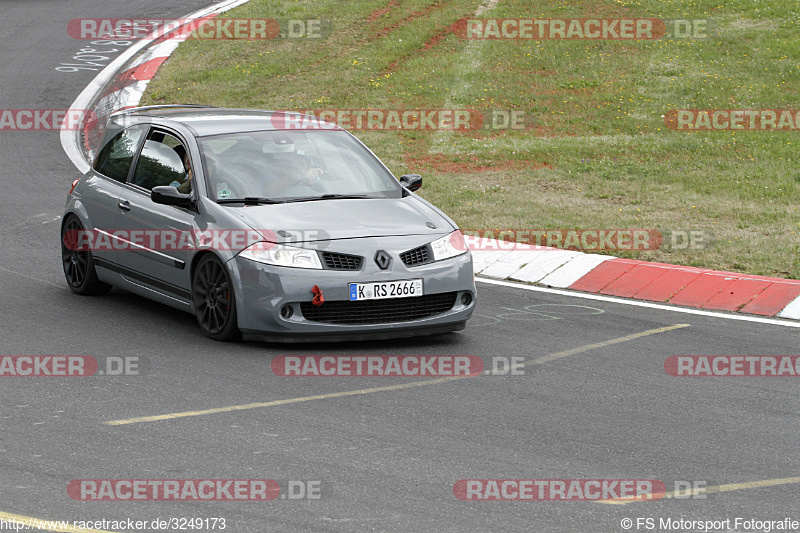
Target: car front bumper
[{"x": 264, "y": 291}]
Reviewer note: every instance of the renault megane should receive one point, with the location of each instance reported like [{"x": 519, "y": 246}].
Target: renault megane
[{"x": 270, "y": 224}]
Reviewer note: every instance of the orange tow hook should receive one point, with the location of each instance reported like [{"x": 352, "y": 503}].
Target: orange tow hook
[{"x": 318, "y": 299}]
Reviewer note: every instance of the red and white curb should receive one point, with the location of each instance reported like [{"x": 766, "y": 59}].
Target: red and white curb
[
  {"x": 126, "y": 89},
  {"x": 123, "y": 82},
  {"x": 642, "y": 280}
]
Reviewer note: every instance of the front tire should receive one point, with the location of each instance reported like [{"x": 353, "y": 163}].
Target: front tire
[
  {"x": 79, "y": 264},
  {"x": 214, "y": 300}
]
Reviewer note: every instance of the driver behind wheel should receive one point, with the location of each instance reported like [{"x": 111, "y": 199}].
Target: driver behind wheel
[
  {"x": 290, "y": 168},
  {"x": 186, "y": 186},
  {"x": 298, "y": 167}
]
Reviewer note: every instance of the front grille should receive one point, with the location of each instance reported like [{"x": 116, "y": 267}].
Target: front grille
[
  {"x": 379, "y": 311},
  {"x": 417, "y": 256},
  {"x": 334, "y": 261}
]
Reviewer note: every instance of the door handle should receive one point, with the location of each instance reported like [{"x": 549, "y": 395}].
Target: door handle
[{"x": 125, "y": 205}]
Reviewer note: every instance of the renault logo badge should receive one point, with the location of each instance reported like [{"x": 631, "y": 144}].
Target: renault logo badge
[{"x": 383, "y": 260}]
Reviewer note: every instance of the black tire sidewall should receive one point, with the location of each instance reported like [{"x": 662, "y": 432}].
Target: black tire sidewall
[
  {"x": 91, "y": 284},
  {"x": 231, "y": 330}
]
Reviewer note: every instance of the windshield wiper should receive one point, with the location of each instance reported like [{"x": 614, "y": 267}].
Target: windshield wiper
[
  {"x": 250, "y": 200},
  {"x": 329, "y": 197}
]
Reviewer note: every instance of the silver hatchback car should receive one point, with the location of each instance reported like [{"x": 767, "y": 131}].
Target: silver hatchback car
[{"x": 270, "y": 224}]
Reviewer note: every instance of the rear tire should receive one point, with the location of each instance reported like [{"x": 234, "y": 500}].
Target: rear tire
[
  {"x": 214, "y": 300},
  {"x": 79, "y": 264}
]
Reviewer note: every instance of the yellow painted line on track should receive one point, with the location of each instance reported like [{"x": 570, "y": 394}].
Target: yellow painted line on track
[
  {"x": 4, "y": 269},
  {"x": 709, "y": 490},
  {"x": 281, "y": 402},
  {"x": 44, "y": 525},
  {"x": 545, "y": 359}
]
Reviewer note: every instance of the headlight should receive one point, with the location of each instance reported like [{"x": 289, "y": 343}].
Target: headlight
[
  {"x": 449, "y": 246},
  {"x": 280, "y": 255}
]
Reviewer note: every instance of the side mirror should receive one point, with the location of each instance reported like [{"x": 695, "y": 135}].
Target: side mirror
[
  {"x": 171, "y": 196},
  {"x": 412, "y": 182}
]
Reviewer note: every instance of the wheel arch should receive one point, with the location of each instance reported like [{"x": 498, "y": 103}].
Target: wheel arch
[
  {"x": 233, "y": 272},
  {"x": 196, "y": 261},
  {"x": 233, "y": 275},
  {"x": 76, "y": 208}
]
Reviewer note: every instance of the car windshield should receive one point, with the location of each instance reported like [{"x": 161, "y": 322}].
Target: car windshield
[{"x": 293, "y": 166}]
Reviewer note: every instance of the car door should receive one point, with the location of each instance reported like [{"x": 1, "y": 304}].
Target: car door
[
  {"x": 157, "y": 246},
  {"x": 103, "y": 186}
]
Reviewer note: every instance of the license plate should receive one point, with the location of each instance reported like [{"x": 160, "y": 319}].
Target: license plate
[{"x": 385, "y": 289}]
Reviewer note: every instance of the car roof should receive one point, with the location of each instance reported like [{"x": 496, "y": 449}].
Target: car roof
[{"x": 204, "y": 121}]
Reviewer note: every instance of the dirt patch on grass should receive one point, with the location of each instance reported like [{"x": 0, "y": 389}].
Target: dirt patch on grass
[
  {"x": 409, "y": 18},
  {"x": 431, "y": 42},
  {"x": 378, "y": 13}
]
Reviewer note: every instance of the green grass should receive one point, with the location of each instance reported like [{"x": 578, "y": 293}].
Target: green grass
[{"x": 597, "y": 153}]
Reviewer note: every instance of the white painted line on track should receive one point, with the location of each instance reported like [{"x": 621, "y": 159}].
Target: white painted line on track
[{"x": 639, "y": 303}]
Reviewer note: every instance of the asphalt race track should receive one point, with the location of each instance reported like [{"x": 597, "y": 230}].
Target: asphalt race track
[{"x": 386, "y": 460}]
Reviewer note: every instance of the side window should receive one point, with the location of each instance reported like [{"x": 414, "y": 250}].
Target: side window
[
  {"x": 163, "y": 161},
  {"x": 116, "y": 157}
]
